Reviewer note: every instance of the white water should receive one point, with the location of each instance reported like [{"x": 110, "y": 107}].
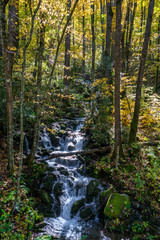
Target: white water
[{"x": 74, "y": 188}]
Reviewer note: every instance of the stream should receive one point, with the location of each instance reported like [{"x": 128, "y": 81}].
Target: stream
[{"x": 71, "y": 185}]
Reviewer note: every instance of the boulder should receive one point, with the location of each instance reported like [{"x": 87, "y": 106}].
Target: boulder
[
  {"x": 105, "y": 194},
  {"x": 58, "y": 189},
  {"x": 87, "y": 213},
  {"x": 48, "y": 182},
  {"x": 71, "y": 147},
  {"x": 76, "y": 206},
  {"x": 45, "y": 197},
  {"x": 117, "y": 205},
  {"x": 92, "y": 190}
]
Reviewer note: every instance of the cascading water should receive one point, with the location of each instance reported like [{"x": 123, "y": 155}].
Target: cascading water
[{"x": 69, "y": 188}]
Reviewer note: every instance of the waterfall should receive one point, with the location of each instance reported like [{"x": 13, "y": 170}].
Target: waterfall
[{"x": 70, "y": 187}]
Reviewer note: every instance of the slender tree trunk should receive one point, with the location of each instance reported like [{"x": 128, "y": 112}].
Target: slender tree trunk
[
  {"x": 102, "y": 11},
  {"x": 117, "y": 147},
  {"x": 38, "y": 94},
  {"x": 93, "y": 42},
  {"x": 60, "y": 41},
  {"x": 67, "y": 48},
  {"x": 28, "y": 41},
  {"x": 123, "y": 35},
  {"x": 108, "y": 42},
  {"x": 134, "y": 122},
  {"x": 13, "y": 23},
  {"x": 8, "y": 57},
  {"x": 157, "y": 82},
  {"x": 84, "y": 42},
  {"x": 130, "y": 36}
]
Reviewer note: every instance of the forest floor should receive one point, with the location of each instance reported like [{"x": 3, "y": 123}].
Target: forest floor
[{"x": 138, "y": 176}]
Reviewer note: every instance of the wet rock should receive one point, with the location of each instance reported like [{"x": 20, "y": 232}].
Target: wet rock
[
  {"x": 117, "y": 205},
  {"x": 63, "y": 171},
  {"x": 87, "y": 213},
  {"x": 58, "y": 189},
  {"x": 76, "y": 206},
  {"x": 92, "y": 190},
  {"x": 39, "y": 226},
  {"x": 54, "y": 139},
  {"x": 71, "y": 147},
  {"x": 45, "y": 197},
  {"x": 48, "y": 182}
]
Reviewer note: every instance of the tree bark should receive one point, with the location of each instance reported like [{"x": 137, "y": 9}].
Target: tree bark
[
  {"x": 117, "y": 147},
  {"x": 108, "y": 42},
  {"x": 67, "y": 48},
  {"x": 134, "y": 122},
  {"x": 102, "y": 11},
  {"x": 128, "y": 44},
  {"x": 8, "y": 57},
  {"x": 84, "y": 42},
  {"x": 13, "y": 23},
  {"x": 123, "y": 35},
  {"x": 37, "y": 106},
  {"x": 93, "y": 42}
]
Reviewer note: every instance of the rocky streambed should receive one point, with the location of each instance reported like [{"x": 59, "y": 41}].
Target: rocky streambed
[{"x": 74, "y": 204}]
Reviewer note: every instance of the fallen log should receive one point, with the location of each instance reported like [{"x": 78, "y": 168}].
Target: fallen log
[
  {"x": 107, "y": 150},
  {"x": 156, "y": 143}
]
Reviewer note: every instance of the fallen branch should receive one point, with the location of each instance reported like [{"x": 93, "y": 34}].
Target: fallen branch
[
  {"x": 88, "y": 151},
  {"x": 156, "y": 143}
]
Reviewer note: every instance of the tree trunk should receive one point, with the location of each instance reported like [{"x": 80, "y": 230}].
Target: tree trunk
[
  {"x": 13, "y": 23},
  {"x": 84, "y": 43},
  {"x": 28, "y": 41},
  {"x": 123, "y": 35},
  {"x": 117, "y": 147},
  {"x": 93, "y": 42},
  {"x": 108, "y": 42},
  {"x": 102, "y": 11},
  {"x": 130, "y": 36},
  {"x": 37, "y": 106},
  {"x": 134, "y": 122},
  {"x": 8, "y": 57},
  {"x": 67, "y": 48},
  {"x": 157, "y": 82}
]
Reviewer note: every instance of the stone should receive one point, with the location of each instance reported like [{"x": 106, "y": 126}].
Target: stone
[
  {"x": 76, "y": 206},
  {"x": 92, "y": 190},
  {"x": 117, "y": 205},
  {"x": 105, "y": 194},
  {"x": 87, "y": 213},
  {"x": 58, "y": 189},
  {"x": 45, "y": 197},
  {"x": 71, "y": 147},
  {"x": 48, "y": 182}
]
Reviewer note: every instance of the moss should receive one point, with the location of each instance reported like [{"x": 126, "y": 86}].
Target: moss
[
  {"x": 129, "y": 167},
  {"x": 105, "y": 194},
  {"x": 117, "y": 205},
  {"x": 76, "y": 206}
]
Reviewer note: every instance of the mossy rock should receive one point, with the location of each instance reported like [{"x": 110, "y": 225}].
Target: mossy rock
[
  {"x": 129, "y": 167},
  {"x": 48, "y": 182},
  {"x": 87, "y": 213},
  {"x": 105, "y": 194},
  {"x": 117, "y": 205},
  {"x": 58, "y": 188},
  {"x": 92, "y": 190},
  {"x": 45, "y": 197},
  {"x": 76, "y": 206}
]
